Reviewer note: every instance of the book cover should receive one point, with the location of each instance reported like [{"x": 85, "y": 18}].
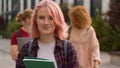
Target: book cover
[{"x": 38, "y": 63}]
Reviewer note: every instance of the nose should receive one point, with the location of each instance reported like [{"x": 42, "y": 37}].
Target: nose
[{"x": 46, "y": 21}]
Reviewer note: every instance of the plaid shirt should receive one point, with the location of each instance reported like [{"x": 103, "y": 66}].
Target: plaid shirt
[{"x": 69, "y": 62}]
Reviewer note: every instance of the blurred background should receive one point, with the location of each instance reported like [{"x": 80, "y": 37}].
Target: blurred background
[{"x": 106, "y": 21}]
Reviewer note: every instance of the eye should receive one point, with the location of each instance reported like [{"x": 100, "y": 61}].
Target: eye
[
  {"x": 41, "y": 17},
  {"x": 50, "y": 18}
]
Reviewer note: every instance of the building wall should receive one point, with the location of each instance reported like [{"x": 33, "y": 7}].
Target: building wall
[
  {"x": 9, "y": 8},
  {"x": 86, "y": 3},
  {"x": 105, "y": 5},
  {"x": 92, "y": 5}
]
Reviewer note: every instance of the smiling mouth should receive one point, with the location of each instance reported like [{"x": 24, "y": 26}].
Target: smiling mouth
[{"x": 46, "y": 27}]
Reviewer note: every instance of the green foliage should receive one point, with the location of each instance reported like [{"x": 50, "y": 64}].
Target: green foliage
[
  {"x": 3, "y": 26},
  {"x": 11, "y": 28},
  {"x": 116, "y": 40},
  {"x": 102, "y": 32},
  {"x": 2, "y": 32},
  {"x": 108, "y": 37}
]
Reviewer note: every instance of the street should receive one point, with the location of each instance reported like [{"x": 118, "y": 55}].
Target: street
[{"x": 7, "y": 62}]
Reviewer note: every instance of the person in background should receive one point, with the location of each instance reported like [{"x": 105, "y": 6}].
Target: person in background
[
  {"x": 82, "y": 35},
  {"x": 21, "y": 36},
  {"x": 48, "y": 32}
]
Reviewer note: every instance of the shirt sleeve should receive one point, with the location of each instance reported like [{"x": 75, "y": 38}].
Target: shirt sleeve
[
  {"x": 72, "y": 60},
  {"x": 23, "y": 52},
  {"x": 14, "y": 39},
  {"x": 95, "y": 46}
]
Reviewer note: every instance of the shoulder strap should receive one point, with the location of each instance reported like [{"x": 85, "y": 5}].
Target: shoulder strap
[
  {"x": 29, "y": 49},
  {"x": 65, "y": 48},
  {"x": 18, "y": 33}
]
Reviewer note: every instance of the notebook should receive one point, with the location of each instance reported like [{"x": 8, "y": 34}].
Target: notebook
[{"x": 38, "y": 63}]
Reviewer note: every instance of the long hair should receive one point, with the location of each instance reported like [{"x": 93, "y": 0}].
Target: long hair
[
  {"x": 80, "y": 17},
  {"x": 58, "y": 18}
]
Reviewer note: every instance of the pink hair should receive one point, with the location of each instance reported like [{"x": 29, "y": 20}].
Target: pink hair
[{"x": 54, "y": 9}]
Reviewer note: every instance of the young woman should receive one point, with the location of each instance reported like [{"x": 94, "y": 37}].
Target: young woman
[
  {"x": 48, "y": 32},
  {"x": 83, "y": 37},
  {"x": 21, "y": 36}
]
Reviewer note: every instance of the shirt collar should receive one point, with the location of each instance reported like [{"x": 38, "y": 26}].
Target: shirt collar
[{"x": 58, "y": 43}]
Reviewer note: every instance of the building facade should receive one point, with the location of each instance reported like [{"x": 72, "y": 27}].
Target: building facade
[{"x": 9, "y": 8}]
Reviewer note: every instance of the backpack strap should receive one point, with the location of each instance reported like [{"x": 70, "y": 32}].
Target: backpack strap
[
  {"x": 65, "y": 48},
  {"x": 18, "y": 33},
  {"x": 65, "y": 43},
  {"x": 29, "y": 49}
]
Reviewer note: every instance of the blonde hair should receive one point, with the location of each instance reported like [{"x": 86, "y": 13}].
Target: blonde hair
[
  {"x": 21, "y": 16},
  {"x": 80, "y": 17},
  {"x": 58, "y": 18}
]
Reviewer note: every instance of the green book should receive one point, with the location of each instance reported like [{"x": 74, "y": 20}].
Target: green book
[{"x": 38, "y": 63}]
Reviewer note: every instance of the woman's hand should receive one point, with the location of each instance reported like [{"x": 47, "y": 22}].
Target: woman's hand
[{"x": 96, "y": 64}]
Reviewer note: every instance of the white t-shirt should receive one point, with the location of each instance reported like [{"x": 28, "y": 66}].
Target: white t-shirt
[{"x": 46, "y": 51}]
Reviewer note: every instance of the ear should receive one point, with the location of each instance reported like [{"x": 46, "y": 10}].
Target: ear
[{"x": 22, "y": 22}]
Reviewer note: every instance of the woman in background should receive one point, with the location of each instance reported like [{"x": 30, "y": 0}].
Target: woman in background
[
  {"x": 83, "y": 37},
  {"x": 20, "y": 36}
]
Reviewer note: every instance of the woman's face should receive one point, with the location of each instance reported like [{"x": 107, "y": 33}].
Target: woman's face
[
  {"x": 27, "y": 21},
  {"x": 45, "y": 21}
]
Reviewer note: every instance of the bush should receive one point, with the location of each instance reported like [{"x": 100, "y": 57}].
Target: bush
[
  {"x": 3, "y": 26},
  {"x": 115, "y": 38},
  {"x": 108, "y": 37},
  {"x": 11, "y": 28},
  {"x": 102, "y": 32}
]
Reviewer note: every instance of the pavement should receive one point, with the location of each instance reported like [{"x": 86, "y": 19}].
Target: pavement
[
  {"x": 5, "y": 58},
  {"x": 7, "y": 62},
  {"x": 105, "y": 61}
]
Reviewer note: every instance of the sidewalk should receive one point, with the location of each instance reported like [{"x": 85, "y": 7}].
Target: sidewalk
[
  {"x": 5, "y": 58},
  {"x": 7, "y": 62},
  {"x": 5, "y": 46},
  {"x": 105, "y": 58}
]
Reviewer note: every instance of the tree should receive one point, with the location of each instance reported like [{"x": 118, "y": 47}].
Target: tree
[{"x": 114, "y": 14}]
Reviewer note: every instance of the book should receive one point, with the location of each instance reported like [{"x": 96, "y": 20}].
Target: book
[{"x": 32, "y": 62}]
